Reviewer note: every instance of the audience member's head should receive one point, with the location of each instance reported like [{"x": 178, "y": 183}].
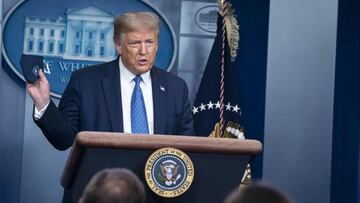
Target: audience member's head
[
  {"x": 257, "y": 193},
  {"x": 116, "y": 185}
]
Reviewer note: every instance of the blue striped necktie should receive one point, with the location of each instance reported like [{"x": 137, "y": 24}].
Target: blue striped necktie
[{"x": 139, "y": 123}]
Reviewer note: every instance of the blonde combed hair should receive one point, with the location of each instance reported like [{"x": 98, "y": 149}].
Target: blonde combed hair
[{"x": 133, "y": 21}]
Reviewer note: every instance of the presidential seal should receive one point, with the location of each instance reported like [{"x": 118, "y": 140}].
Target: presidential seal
[{"x": 169, "y": 172}]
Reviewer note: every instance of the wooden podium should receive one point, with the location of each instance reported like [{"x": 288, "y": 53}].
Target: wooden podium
[{"x": 219, "y": 163}]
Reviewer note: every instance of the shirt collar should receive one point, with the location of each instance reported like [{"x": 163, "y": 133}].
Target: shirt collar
[{"x": 126, "y": 75}]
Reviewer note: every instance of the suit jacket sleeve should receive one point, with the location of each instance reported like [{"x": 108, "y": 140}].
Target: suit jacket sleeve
[{"x": 61, "y": 124}]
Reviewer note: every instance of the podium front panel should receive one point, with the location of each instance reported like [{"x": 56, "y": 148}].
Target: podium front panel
[{"x": 216, "y": 175}]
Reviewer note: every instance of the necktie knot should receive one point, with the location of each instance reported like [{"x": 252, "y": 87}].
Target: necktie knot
[{"x": 137, "y": 79}]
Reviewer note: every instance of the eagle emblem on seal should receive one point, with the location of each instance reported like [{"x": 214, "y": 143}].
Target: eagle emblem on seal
[{"x": 169, "y": 172}]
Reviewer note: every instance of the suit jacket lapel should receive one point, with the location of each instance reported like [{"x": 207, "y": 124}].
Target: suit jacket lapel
[
  {"x": 111, "y": 88},
  {"x": 159, "y": 101}
]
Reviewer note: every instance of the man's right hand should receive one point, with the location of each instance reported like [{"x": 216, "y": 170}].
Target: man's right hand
[{"x": 39, "y": 91}]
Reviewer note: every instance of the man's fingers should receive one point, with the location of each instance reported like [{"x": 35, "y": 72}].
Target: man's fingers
[
  {"x": 28, "y": 85},
  {"x": 41, "y": 73},
  {"x": 42, "y": 76}
]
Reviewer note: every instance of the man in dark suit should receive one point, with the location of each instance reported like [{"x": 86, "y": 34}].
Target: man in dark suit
[{"x": 128, "y": 94}]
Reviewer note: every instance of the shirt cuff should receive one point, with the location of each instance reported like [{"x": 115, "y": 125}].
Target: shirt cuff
[{"x": 39, "y": 114}]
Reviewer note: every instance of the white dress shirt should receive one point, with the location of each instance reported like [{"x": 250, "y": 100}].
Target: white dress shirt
[
  {"x": 38, "y": 114},
  {"x": 127, "y": 85}
]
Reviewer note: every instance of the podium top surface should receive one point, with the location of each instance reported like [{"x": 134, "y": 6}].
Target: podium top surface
[{"x": 153, "y": 142}]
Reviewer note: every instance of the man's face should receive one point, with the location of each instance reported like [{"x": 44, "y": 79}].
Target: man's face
[{"x": 138, "y": 50}]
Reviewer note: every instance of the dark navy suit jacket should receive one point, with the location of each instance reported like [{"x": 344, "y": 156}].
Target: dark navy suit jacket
[{"x": 92, "y": 102}]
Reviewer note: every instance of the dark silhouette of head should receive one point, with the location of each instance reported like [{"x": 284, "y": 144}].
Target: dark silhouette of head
[
  {"x": 257, "y": 193},
  {"x": 116, "y": 185}
]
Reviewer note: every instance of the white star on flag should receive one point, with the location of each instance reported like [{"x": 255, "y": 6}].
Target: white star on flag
[
  {"x": 236, "y": 108},
  {"x": 217, "y": 105},
  {"x": 210, "y": 105},
  {"x": 195, "y": 110},
  {"x": 202, "y": 107},
  {"x": 228, "y": 106}
]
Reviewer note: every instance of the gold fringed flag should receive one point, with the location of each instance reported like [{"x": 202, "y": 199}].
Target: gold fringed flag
[{"x": 217, "y": 107}]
